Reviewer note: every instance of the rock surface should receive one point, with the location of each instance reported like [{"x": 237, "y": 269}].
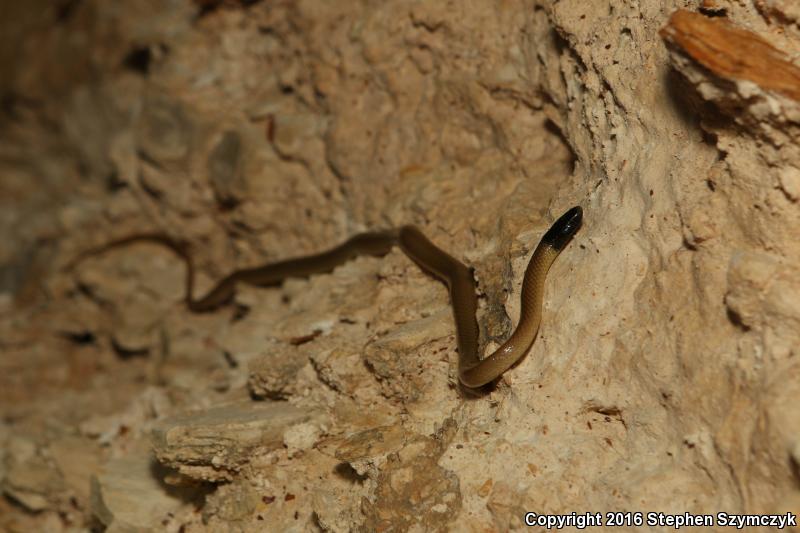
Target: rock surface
[
  {"x": 665, "y": 375},
  {"x": 128, "y": 494}
]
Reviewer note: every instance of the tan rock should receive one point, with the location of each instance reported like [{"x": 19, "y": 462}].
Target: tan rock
[
  {"x": 664, "y": 375},
  {"x": 214, "y": 444},
  {"x": 128, "y": 495}
]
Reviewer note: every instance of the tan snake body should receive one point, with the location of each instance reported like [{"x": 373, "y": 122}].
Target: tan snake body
[{"x": 472, "y": 370}]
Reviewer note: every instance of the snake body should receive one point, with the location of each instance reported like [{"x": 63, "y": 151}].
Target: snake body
[{"x": 472, "y": 370}]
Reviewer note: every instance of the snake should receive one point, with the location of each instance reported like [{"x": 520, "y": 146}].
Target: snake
[{"x": 473, "y": 371}]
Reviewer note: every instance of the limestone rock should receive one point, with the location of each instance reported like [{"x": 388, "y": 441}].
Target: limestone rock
[
  {"x": 665, "y": 371},
  {"x": 214, "y": 444},
  {"x": 127, "y": 494}
]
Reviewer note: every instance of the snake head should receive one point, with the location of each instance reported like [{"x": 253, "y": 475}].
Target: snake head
[{"x": 564, "y": 228}]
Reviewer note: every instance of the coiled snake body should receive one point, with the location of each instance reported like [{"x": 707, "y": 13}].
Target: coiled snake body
[{"x": 472, "y": 370}]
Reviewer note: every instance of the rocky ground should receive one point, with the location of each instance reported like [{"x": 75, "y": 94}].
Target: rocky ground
[{"x": 665, "y": 376}]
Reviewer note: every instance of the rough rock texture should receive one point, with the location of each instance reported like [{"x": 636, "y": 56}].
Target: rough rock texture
[{"x": 665, "y": 374}]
